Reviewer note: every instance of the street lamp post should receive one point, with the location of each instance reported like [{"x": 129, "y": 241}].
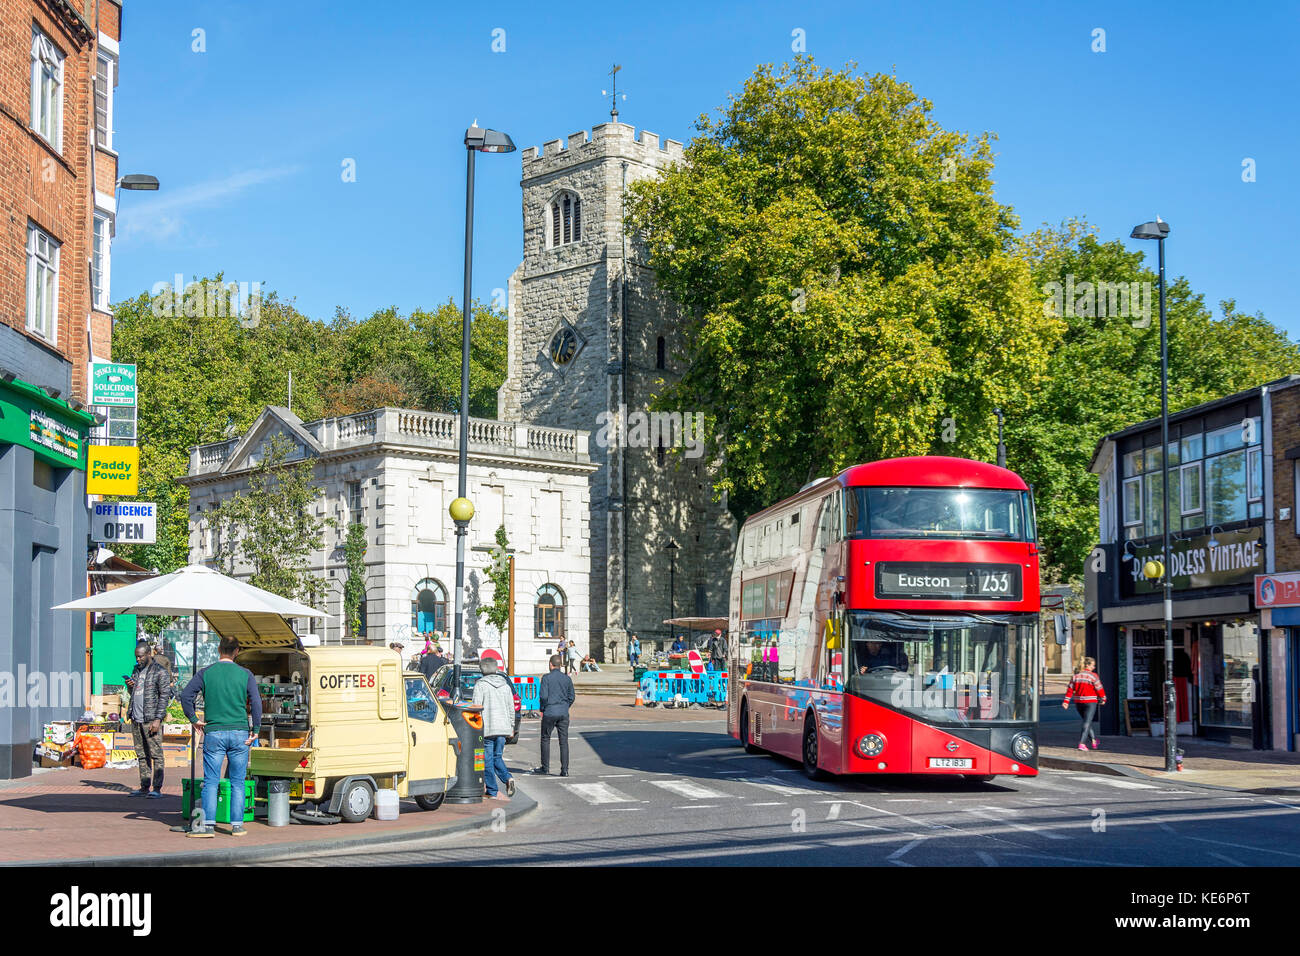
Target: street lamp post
[
  {"x": 476, "y": 141},
  {"x": 671, "y": 548},
  {"x": 1158, "y": 230}
]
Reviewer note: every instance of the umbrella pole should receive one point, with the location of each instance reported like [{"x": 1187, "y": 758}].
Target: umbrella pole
[{"x": 194, "y": 737}]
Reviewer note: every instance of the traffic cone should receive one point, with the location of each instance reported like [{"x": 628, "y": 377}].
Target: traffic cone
[{"x": 640, "y": 698}]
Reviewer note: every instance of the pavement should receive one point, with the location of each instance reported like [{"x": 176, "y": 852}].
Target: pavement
[
  {"x": 87, "y": 818},
  {"x": 1205, "y": 763}
]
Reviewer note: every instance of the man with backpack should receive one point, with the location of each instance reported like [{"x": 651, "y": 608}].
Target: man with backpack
[{"x": 493, "y": 693}]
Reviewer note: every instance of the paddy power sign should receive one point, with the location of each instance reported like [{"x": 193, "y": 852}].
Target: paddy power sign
[
  {"x": 112, "y": 470},
  {"x": 1206, "y": 561}
]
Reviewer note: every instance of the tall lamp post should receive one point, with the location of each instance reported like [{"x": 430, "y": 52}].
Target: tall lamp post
[
  {"x": 671, "y": 548},
  {"x": 1158, "y": 230},
  {"x": 462, "y": 509}
]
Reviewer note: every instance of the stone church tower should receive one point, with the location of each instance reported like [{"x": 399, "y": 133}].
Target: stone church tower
[{"x": 589, "y": 336}]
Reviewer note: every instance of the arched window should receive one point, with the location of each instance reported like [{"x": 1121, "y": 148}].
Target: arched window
[
  {"x": 565, "y": 219},
  {"x": 659, "y": 359},
  {"x": 429, "y": 607},
  {"x": 548, "y": 621}
]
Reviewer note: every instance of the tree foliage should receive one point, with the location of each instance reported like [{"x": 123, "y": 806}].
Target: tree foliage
[
  {"x": 206, "y": 377},
  {"x": 498, "y": 572},
  {"x": 270, "y": 529},
  {"x": 354, "y": 588},
  {"x": 1104, "y": 375},
  {"x": 852, "y": 287}
]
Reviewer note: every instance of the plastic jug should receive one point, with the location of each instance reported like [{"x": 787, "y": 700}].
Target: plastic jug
[{"x": 386, "y": 805}]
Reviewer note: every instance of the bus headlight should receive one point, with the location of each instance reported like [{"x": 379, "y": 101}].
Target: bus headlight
[
  {"x": 871, "y": 745},
  {"x": 1022, "y": 745}
]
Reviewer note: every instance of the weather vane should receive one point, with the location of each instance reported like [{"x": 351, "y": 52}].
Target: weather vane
[{"x": 612, "y": 93}]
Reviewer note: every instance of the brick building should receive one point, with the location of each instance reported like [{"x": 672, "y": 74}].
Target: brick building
[
  {"x": 1232, "y": 489},
  {"x": 591, "y": 343},
  {"x": 58, "y": 172}
]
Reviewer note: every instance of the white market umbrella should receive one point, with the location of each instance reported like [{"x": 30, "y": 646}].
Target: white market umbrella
[{"x": 231, "y": 607}]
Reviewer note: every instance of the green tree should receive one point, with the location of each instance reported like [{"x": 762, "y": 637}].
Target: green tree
[
  {"x": 271, "y": 528},
  {"x": 498, "y": 572},
  {"x": 1104, "y": 375},
  {"x": 354, "y": 588},
  {"x": 852, "y": 288}
]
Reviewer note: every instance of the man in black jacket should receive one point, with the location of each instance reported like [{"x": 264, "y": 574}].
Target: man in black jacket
[
  {"x": 150, "y": 684},
  {"x": 556, "y": 697}
]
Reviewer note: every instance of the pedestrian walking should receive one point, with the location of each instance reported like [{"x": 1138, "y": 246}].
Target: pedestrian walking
[
  {"x": 572, "y": 657},
  {"x": 717, "y": 651},
  {"x": 1088, "y": 694},
  {"x": 556, "y": 696},
  {"x": 492, "y": 692},
  {"x": 229, "y": 695},
  {"x": 634, "y": 650},
  {"x": 150, "y": 684}
]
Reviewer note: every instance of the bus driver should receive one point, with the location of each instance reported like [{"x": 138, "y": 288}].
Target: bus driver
[{"x": 872, "y": 654}]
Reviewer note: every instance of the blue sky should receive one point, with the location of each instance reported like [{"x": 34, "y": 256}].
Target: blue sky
[{"x": 249, "y": 137}]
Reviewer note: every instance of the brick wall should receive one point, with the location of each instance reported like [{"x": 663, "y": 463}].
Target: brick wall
[
  {"x": 1286, "y": 436},
  {"x": 52, "y": 188}
]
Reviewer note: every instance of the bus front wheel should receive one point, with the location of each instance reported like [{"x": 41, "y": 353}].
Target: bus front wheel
[{"x": 811, "y": 746}]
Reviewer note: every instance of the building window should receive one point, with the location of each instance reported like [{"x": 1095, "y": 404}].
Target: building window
[
  {"x": 105, "y": 80},
  {"x": 42, "y": 283},
  {"x": 47, "y": 89},
  {"x": 660, "y": 356},
  {"x": 429, "y": 607},
  {"x": 356, "y": 510},
  {"x": 701, "y": 600},
  {"x": 565, "y": 219},
  {"x": 99, "y": 261},
  {"x": 548, "y": 621}
]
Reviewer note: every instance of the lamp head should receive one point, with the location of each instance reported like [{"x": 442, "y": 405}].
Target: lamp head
[
  {"x": 462, "y": 509},
  {"x": 138, "y": 181},
  {"x": 488, "y": 140},
  {"x": 1150, "y": 230}
]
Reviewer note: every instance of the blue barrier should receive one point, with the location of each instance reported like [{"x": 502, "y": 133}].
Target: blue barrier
[
  {"x": 529, "y": 690},
  {"x": 662, "y": 687}
]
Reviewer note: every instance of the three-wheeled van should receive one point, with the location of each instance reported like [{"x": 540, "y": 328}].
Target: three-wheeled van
[{"x": 339, "y": 723}]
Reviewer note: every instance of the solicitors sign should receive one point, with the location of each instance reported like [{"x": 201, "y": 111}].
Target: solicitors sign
[
  {"x": 112, "y": 383},
  {"x": 1205, "y": 561}
]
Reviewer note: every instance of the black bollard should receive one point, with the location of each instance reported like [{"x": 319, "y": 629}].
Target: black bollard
[{"x": 467, "y": 721}]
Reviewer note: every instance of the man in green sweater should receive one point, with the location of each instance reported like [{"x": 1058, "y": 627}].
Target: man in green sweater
[{"x": 228, "y": 691}]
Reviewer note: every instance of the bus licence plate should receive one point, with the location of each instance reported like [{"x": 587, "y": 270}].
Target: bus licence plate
[{"x": 951, "y": 763}]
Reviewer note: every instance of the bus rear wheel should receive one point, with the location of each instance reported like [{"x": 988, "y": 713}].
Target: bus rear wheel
[
  {"x": 811, "y": 744},
  {"x": 744, "y": 732}
]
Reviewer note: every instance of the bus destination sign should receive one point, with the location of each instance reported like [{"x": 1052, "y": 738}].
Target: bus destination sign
[{"x": 948, "y": 582}]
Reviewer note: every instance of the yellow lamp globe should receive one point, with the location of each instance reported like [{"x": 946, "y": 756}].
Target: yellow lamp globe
[
  {"x": 462, "y": 509},
  {"x": 1153, "y": 569}
]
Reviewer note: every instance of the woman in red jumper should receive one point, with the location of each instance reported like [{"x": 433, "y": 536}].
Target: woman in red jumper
[{"x": 1088, "y": 694}]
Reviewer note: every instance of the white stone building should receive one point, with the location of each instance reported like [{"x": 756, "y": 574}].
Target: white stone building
[{"x": 395, "y": 471}]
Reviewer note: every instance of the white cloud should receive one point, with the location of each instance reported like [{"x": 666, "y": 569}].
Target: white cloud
[{"x": 162, "y": 215}]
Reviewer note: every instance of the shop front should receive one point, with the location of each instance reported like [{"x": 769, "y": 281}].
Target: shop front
[
  {"x": 1217, "y": 649},
  {"x": 43, "y": 532},
  {"x": 1278, "y": 598}
]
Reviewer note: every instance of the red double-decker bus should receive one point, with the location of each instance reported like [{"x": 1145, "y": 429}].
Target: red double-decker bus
[{"x": 886, "y": 621}]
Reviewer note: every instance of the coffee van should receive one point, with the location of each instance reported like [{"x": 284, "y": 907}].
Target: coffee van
[{"x": 340, "y": 723}]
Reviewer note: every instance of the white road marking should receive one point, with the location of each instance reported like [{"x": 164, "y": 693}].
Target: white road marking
[
  {"x": 1243, "y": 846},
  {"x": 620, "y": 809},
  {"x": 597, "y": 793},
  {"x": 767, "y": 783},
  {"x": 1118, "y": 782},
  {"x": 685, "y": 788},
  {"x": 699, "y": 806},
  {"x": 905, "y": 800},
  {"x": 834, "y": 813},
  {"x": 1166, "y": 827},
  {"x": 1023, "y": 827},
  {"x": 777, "y": 804},
  {"x": 986, "y": 858},
  {"x": 607, "y": 776},
  {"x": 903, "y": 850},
  {"x": 865, "y": 826}
]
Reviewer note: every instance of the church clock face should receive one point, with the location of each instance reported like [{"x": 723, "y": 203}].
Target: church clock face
[{"x": 564, "y": 346}]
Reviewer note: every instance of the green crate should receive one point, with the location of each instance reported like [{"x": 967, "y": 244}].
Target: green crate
[
  {"x": 223, "y": 799},
  {"x": 638, "y": 672}
]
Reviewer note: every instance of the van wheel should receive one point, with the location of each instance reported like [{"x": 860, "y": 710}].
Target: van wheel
[
  {"x": 744, "y": 732},
  {"x": 357, "y": 802},
  {"x": 429, "y": 801},
  {"x": 811, "y": 744}
]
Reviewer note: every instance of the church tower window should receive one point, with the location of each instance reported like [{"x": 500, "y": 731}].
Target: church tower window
[{"x": 565, "y": 219}]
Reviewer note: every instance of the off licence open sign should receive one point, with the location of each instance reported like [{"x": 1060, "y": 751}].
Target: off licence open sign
[
  {"x": 948, "y": 582},
  {"x": 134, "y": 522}
]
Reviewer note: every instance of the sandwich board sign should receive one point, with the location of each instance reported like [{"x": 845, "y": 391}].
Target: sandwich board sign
[{"x": 112, "y": 383}]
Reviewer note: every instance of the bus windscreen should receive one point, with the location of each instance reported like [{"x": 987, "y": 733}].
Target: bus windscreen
[{"x": 991, "y": 513}]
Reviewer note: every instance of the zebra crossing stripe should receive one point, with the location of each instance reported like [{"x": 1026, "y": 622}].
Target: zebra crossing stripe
[
  {"x": 685, "y": 788},
  {"x": 597, "y": 793}
]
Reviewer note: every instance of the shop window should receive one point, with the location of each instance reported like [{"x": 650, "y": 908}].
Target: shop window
[
  {"x": 1229, "y": 655},
  {"x": 428, "y": 607},
  {"x": 1225, "y": 488}
]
